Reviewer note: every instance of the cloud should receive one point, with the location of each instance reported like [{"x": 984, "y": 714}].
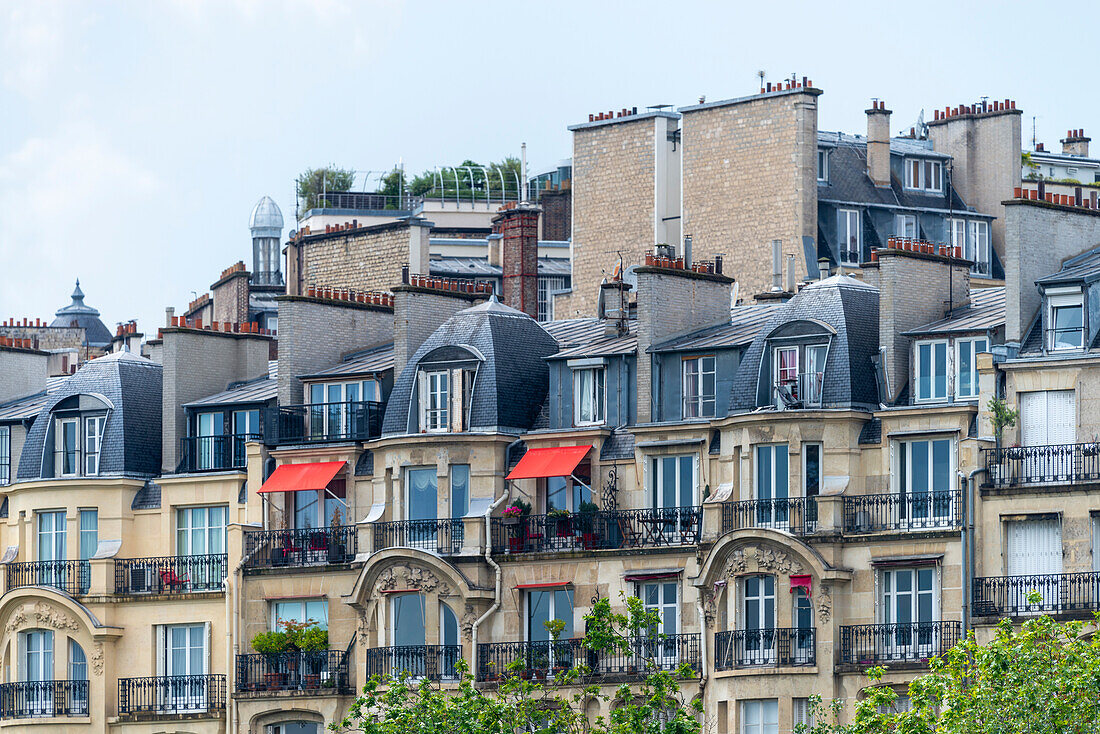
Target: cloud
[{"x": 34, "y": 41}]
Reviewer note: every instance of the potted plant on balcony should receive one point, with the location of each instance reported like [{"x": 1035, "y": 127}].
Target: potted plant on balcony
[
  {"x": 272, "y": 645},
  {"x": 513, "y": 517},
  {"x": 1001, "y": 416},
  {"x": 586, "y": 524},
  {"x": 333, "y": 542},
  {"x": 558, "y": 521},
  {"x": 312, "y": 641}
]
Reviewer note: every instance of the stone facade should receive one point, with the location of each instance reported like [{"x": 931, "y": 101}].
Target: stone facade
[
  {"x": 49, "y": 338},
  {"x": 231, "y": 296},
  {"x": 557, "y": 214},
  {"x": 22, "y": 372},
  {"x": 750, "y": 177},
  {"x": 364, "y": 258}
]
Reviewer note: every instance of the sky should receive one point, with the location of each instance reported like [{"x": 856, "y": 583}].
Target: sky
[{"x": 135, "y": 137}]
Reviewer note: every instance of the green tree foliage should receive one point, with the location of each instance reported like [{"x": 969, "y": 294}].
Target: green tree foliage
[
  {"x": 656, "y": 705},
  {"x": 1042, "y": 678},
  {"x": 316, "y": 181}
]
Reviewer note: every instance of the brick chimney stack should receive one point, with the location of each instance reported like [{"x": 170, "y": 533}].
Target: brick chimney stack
[
  {"x": 878, "y": 143},
  {"x": 519, "y": 254},
  {"x": 1075, "y": 143}
]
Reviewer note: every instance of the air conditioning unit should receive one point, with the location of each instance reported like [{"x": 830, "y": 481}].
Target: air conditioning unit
[{"x": 142, "y": 580}]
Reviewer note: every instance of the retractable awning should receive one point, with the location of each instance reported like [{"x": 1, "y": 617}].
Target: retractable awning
[
  {"x": 299, "y": 477},
  {"x": 543, "y": 585},
  {"x": 556, "y": 461}
]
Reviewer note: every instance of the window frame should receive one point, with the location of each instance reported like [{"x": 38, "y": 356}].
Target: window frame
[
  {"x": 918, "y": 171},
  {"x": 89, "y": 438},
  {"x": 551, "y": 610},
  {"x": 918, "y": 362},
  {"x": 1056, "y": 302},
  {"x": 662, "y": 605},
  {"x": 597, "y": 397},
  {"x": 438, "y": 419},
  {"x": 762, "y": 726},
  {"x": 702, "y": 404},
  {"x": 958, "y": 368},
  {"x": 902, "y": 224},
  {"x": 823, "y": 165},
  {"x": 882, "y": 610},
  {"x": 657, "y": 471},
  {"x": 771, "y": 448},
  {"x": 5, "y": 455},
  {"x": 957, "y": 231},
  {"x": 977, "y": 247},
  {"x": 274, "y": 604},
  {"x": 819, "y": 447},
  {"x": 62, "y": 451},
  {"x": 185, "y": 531},
  {"x": 848, "y": 216},
  {"x": 547, "y": 286}
]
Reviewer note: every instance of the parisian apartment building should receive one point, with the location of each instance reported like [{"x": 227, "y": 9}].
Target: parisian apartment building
[{"x": 422, "y": 450}]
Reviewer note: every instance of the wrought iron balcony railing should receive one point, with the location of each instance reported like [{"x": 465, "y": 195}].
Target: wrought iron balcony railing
[
  {"x": 300, "y": 548},
  {"x": 868, "y": 644},
  {"x": 870, "y": 513},
  {"x": 171, "y": 694},
  {"x": 543, "y": 659},
  {"x": 795, "y": 515},
  {"x": 803, "y": 392},
  {"x": 214, "y": 453},
  {"x": 434, "y": 662},
  {"x": 603, "y": 529},
  {"x": 323, "y": 422},
  {"x": 317, "y": 672},
  {"x": 1060, "y": 593},
  {"x": 765, "y": 648},
  {"x": 1057, "y": 464},
  {"x": 43, "y": 698},
  {"x": 72, "y": 577},
  {"x": 443, "y": 537},
  {"x": 170, "y": 574}
]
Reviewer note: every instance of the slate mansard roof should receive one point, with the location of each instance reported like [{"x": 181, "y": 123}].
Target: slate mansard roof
[
  {"x": 842, "y": 305},
  {"x": 512, "y": 377},
  {"x": 131, "y": 388}
]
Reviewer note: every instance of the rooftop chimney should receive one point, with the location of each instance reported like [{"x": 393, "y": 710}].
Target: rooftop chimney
[
  {"x": 519, "y": 254},
  {"x": 777, "y": 266},
  {"x": 1075, "y": 143},
  {"x": 878, "y": 143}
]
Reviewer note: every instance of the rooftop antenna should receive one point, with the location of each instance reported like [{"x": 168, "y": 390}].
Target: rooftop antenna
[
  {"x": 1033, "y": 138},
  {"x": 761, "y": 75},
  {"x": 523, "y": 170}
]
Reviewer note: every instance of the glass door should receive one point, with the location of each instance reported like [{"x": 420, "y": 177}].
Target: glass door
[
  {"x": 772, "y": 490},
  {"x": 663, "y": 644},
  {"x": 804, "y": 627},
  {"x": 422, "y": 500},
  {"x": 51, "y": 548},
  {"x": 408, "y": 634},
  {"x": 544, "y": 605},
  {"x": 207, "y": 452},
  {"x": 758, "y": 614},
  {"x": 675, "y": 518},
  {"x": 185, "y": 659},
  {"x": 246, "y": 425},
  {"x": 909, "y": 612},
  {"x": 38, "y": 673}
]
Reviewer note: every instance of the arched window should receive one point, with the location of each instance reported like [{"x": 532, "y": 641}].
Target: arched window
[{"x": 78, "y": 662}]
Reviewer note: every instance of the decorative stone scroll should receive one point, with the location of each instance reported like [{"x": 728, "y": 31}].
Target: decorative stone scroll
[
  {"x": 751, "y": 559},
  {"x": 41, "y": 614},
  {"x": 824, "y": 603},
  {"x": 408, "y": 577}
]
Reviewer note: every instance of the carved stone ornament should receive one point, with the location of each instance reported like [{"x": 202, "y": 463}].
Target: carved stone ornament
[
  {"x": 710, "y": 605},
  {"x": 468, "y": 619},
  {"x": 824, "y": 603},
  {"x": 409, "y": 577},
  {"x": 362, "y": 629},
  {"x": 41, "y": 615},
  {"x": 97, "y": 659},
  {"x": 751, "y": 559}
]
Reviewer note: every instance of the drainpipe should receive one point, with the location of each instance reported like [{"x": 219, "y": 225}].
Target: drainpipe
[
  {"x": 491, "y": 562},
  {"x": 702, "y": 643},
  {"x": 968, "y": 548}
]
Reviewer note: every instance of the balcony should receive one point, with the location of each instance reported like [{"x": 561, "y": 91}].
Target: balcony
[
  {"x": 765, "y": 648},
  {"x": 325, "y": 422},
  {"x": 431, "y": 662},
  {"x": 43, "y": 699},
  {"x": 803, "y": 392},
  {"x": 170, "y": 695},
  {"x": 1061, "y": 593},
  {"x": 600, "y": 530},
  {"x": 913, "y": 642},
  {"x": 72, "y": 577},
  {"x": 544, "y": 659},
  {"x": 323, "y": 671},
  {"x": 875, "y": 513},
  {"x": 170, "y": 575},
  {"x": 300, "y": 548},
  {"x": 214, "y": 453},
  {"x": 796, "y": 515},
  {"x": 1022, "y": 466},
  {"x": 442, "y": 537}
]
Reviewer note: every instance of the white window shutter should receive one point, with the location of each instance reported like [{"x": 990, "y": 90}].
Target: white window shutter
[
  {"x": 457, "y": 390},
  {"x": 422, "y": 399},
  {"x": 21, "y": 657},
  {"x": 206, "y": 640},
  {"x": 1033, "y": 414},
  {"x": 162, "y": 644},
  {"x": 1061, "y": 417}
]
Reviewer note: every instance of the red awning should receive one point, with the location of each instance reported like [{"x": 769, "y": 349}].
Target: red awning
[
  {"x": 545, "y": 585},
  {"x": 556, "y": 461},
  {"x": 298, "y": 477},
  {"x": 801, "y": 582}
]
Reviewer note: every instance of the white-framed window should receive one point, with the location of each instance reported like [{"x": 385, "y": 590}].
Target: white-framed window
[
  {"x": 905, "y": 225},
  {"x": 566, "y": 493},
  {"x": 823, "y": 165},
  {"x": 1096, "y": 542},
  {"x": 924, "y": 482},
  {"x": 408, "y": 622},
  {"x": 931, "y": 370},
  {"x": 901, "y": 704},
  {"x": 909, "y": 600},
  {"x": 436, "y": 401},
  {"x": 925, "y": 175},
  {"x": 589, "y": 396},
  {"x": 422, "y": 495},
  {"x": 314, "y": 611},
  {"x": 760, "y": 716},
  {"x": 51, "y": 535},
  {"x": 800, "y": 713},
  {"x": 1065, "y": 320},
  {"x": 956, "y": 233},
  {"x": 68, "y": 447},
  {"x": 89, "y": 533},
  {"x": 799, "y": 374},
  {"x": 849, "y": 236},
  {"x": 201, "y": 531},
  {"x": 544, "y": 605},
  {"x": 5, "y": 455},
  {"x": 35, "y": 655},
  {"x": 673, "y": 481},
  {"x": 772, "y": 472},
  {"x": 547, "y": 286},
  {"x": 337, "y": 407},
  {"x": 966, "y": 366},
  {"x": 93, "y": 439},
  {"x": 78, "y": 661},
  {"x": 977, "y": 247},
  {"x": 662, "y": 597},
  {"x": 183, "y": 652},
  {"x": 698, "y": 387}
]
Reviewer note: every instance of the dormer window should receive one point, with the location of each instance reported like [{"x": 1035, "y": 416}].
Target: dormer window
[
  {"x": 588, "y": 396},
  {"x": 931, "y": 370},
  {"x": 923, "y": 175},
  {"x": 698, "y": 387},
  {"x": 799, "y": 375},
  {"x": 905, "y": 225},
  {"x": 78, "y": 436},
  {"x": 849, "y": 236},
  {"x": 1065, "y": 317},
  {"x": 435, "y": 402},
  {"x": 823, "y": 165}
]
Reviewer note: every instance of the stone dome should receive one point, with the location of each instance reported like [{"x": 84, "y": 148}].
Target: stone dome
[{"x": 79, "y": 314}]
